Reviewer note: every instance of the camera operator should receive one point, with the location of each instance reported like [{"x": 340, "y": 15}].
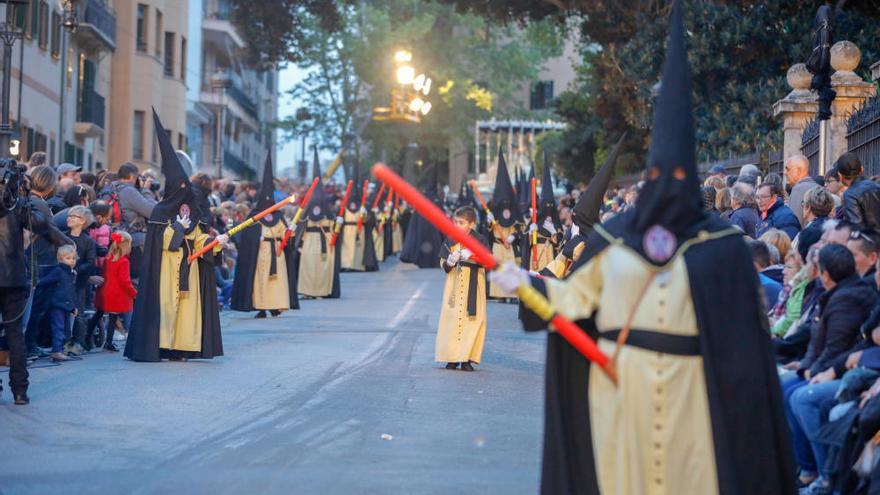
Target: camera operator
[
  {"x": 134, "y": 201},
  {"x": 16, "y": 215}
]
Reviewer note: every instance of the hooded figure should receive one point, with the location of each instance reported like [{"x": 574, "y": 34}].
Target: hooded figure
[
  {"x": 506, "y": 231},
  {"x": 351, "y": 239},
  {"x": 549, "y": 228},
  {"x": 698, "y": 352},
  {"x": 266, "y": 273},
  {"x": 371, "y": 258},
  {"x": 176, "y": 314},
  {"x": 423, "y": 242},
  {"x": 319, "y": 262}
]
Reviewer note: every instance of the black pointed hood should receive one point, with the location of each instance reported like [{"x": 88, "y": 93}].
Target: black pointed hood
[
  {"x": 357, "y": 189},
  {"x": 547, "y": 201},
  {"x": 266, "y": 195},
  {"x": 671, "y": 195},
  {"x": 318, "y": 209},
  {"x": 178, "y": 190},
  {"x": 503, "y": 197},
  {"x": 585, "y": 213}
]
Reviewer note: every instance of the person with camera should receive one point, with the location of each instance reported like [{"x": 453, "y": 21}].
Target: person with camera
[
  {"x": 132, "y": 202},
  {"x": 17, "y": 214}
]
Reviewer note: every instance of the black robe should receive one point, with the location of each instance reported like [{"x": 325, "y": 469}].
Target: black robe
[
  {"x": 371, "y": 263},
  {"x": 752, "y": 446},
  {"x": 246, "y": 269},
  {"x": 422, "y": 243},
  {"x": 143, "y": 336}
]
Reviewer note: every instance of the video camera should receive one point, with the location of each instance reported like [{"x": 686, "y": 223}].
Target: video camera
[{"x": 14, "y": 185}]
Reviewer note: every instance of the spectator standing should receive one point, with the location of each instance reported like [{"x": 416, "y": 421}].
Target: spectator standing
[
  {"x": 133, "y": 208},
  {"x": 68, "y": 171},
  {"x": 744, "y": 215},
  {"x": 116, "y": 295},
  {"x": 774, "y": 213},
  {"x": 861, "y": 200},
  {"x": 58, "y": 288},
  {"x": 797, "y": 174}
]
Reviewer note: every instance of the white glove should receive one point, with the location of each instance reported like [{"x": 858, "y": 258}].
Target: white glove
[
  {"x": 340, "y": 220},
  {"x": 490, "y": 217},
  {"x": 223, "y": 239},
  {"x": 533, "y": 228},
  {"x": 453, "y": 258},
  {"x": 184, "y": 221},
  {"x": 363, "y": 210},
  {"x": 548, "y": 226},
  {"x": 575, "y": 230},
  {"x": 466, "y": 254},
  {"x": 509, "y": 278},
  {"x": 511, "y": 238}
]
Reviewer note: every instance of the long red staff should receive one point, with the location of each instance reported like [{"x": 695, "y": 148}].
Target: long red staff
[
  {"x": 341, "y": 213},
  {"x": 363, "y": 205},
  {"x": 534, "y": 235},
  {"x": 256, "y": 218},
  {"x": 527, "y": 294}
]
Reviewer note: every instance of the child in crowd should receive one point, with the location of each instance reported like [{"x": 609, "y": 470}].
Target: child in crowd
[
  {"x": 462, "y": 328},
  {"x": 117, "y": 294},
  {"x": 58, "y": 286}
]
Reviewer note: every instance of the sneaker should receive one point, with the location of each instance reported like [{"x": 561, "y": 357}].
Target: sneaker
[
  {"x": 111, "y": 347},
  {"x": 59, "y": 356},
  {"x": 819, "y": 487},
  {"x": 75, "y": 349}
]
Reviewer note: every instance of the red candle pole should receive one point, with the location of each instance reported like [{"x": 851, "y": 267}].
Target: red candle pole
[
  {"x": 341, "y": 213},
  {"x": 528, "y": 294},
  {"x": 302, "y": 207},
  {"x": 363, "y": 205}
]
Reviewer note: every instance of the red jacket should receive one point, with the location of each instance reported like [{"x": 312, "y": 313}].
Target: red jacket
[{"x": 117, "y": 294}]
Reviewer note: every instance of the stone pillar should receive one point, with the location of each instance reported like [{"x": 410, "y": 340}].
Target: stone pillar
[
  {"x": 796, "y": 109},
  {"x": 851, "y": 90}
]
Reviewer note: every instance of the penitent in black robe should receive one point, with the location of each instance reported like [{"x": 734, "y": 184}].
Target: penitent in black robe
[
  {"x": 422, "y": 243},
  {"x": 371, "y": 263},
  {"x": 246, "y": 269},
  {"x": 752, "y": 447}
]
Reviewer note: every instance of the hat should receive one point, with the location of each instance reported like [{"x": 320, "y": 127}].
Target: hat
[
  {"x": 65, "y": 168},
  {"x": 717, "y": 169}
]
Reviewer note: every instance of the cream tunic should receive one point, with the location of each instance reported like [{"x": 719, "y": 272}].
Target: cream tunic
[
  {"x": 546, "y": 253},
  {"x": 180, "y": 313},
  {"x": 315, "y": 267},
  {"x": 379, "y": 238},
  {"x": 652, "y": 434},
  {"x": 352, "y": 254},
  {"x": 396, "y": 235},
  {"x": 271, "y": 291},
  {"x": 560, "y": 265},
  {"x": 502, "y": 253},
  {"x": 460, "y": 337}
]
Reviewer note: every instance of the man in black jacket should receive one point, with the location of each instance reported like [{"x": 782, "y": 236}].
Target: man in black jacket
[
  {"x": 15, "y": 281},
  {"x": 861, "y": 200},
  {"x": 865, "y": 247}
]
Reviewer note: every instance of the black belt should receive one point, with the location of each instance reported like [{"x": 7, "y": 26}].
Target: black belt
[
  {"x": 323, "y": 239},
  {"x": 273, "y": 265},
  {"x": 183, "y": 277},
  {"x": 472, "y": 286},
  {"x": 681, "y": 345}
]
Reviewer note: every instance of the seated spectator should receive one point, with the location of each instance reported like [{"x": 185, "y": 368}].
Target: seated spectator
[
  {"x": 791, "y": 347},
  {"x": 774, "y": 213},
  {"x": 779, "y": 240},
  {"x": 788, "y": 307},
  {"x": 861, "y": 200},
  {"x": 761, "y": 259},
  {"x": 865, "y": 247},
  {"x": 818, "y": 204},
  {"x": 744, "y": 216},
  {"x": 836, "y": 232},
  {"x": 722, "y": 203}
]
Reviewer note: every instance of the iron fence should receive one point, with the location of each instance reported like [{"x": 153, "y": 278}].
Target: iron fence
[{"x": 863, "y": 135}]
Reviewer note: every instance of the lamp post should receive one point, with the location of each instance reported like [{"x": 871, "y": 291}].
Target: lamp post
[
  {"x": 8, "y": 33},
  {"x": 220, "y": 82},
  {"x": 302, "y": 115},
  {"x": 409, "y": 94}
]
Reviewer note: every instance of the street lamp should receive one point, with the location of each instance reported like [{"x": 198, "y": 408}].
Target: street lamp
[
  {"x": 409, "y": 96},
  {"x": 302, "y": 115},
  {"x": 220, "y": 82},
  {"x": 8, "y": 33}
]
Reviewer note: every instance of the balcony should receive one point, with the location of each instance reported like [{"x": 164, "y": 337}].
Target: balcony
[
  {"x": 238, "y": 166},
  {"x": 97, "y": 26},
  {"x": 244, "y": 101},
  {"x": 216, "y": 27},
  {"x": 89, "y": 115}
]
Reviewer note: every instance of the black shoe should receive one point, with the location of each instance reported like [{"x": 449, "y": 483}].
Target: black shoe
[
  {"x": 22, "y": 399},
  {"x": 110, "y": 346},
  {"x": 275, "y": 312},
  {"x": 451, "y": 366},
  {"x": 466, "y": 367},
  {"x": 261, "y": 314}
]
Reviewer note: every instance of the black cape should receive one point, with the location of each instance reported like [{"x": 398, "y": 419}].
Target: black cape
[
  {"x": 371, "y": 263},
  {"x": 752, "y": 446},
  {"x": 143, "y": 338},
  {"x": 246, "y": 269},
  {"x": 422, "y": 243}
]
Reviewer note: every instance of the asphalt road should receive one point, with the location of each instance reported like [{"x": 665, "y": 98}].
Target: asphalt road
[{"x": 341, "y": 397}]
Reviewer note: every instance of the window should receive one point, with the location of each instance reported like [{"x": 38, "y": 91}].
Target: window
[
  {"x": 141, "y": 28},
  {"x": 52, "y": 151},
  {"x": 44, "y": 25},
  {"x": 270, "y": 81},
  {"x": 159, "y": 33},
  {"x": 20, "y": 14},
  {"x": 181, "y": 142},
  {"x": 56, "y": 35},
  {"x": 183, "y": 58},
  {"x": 169, "y": 54},
  {"x": 542, "y": 93},
  {"x": 33, "y": 27},
  {"x": 153, "y": 153},
  {"x": 137, "y": 136}
]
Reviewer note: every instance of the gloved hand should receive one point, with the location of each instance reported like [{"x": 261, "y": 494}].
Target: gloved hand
[
  {"x": 575, "y": 230},
  {"x": 184, "y": 222},
  {"x": 453, "y": 258},
  {"x": 466, "y": 254},
  {"x": 490, "y": 218},
  {"x": 511, "y": 238},
  {"x": 509, "y": 278},
  {"x": 340, "y": 220},
  {"x": 223, "y": 239},
  {"x": 548, "y": 226},
  {"x": 533, "y": 227}
]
